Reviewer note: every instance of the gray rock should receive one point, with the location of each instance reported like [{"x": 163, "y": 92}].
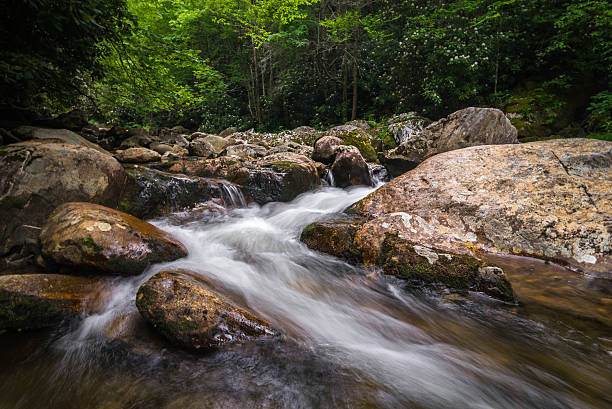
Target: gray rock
[
  {"x": 64, "y": 135},
  {"x": 38, "y": 176},
  {"x": 202, "y": 148}
]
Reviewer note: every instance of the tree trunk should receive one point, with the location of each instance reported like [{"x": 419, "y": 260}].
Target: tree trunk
[
  {"x": 355, "y": 48},
  {"x": 344, "y": 88},
  {"x": 256, "y": 84}
]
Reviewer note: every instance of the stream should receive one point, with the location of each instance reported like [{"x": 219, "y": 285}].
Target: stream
[{"x": 352, "y": 338}]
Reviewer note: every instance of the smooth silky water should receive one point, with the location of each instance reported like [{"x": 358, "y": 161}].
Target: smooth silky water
[{"x": 352, "y": 338}]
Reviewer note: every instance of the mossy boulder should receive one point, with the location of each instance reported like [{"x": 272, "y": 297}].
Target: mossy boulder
[
  {"x": 418, "y": 265},
  {"x": 94, "y": 237},
  {"x": 356, "y": 137},
  {"x": 183, "y": 308},
  {"x": 37, "y": 176},
  {"x": 334, "y": 237},
  {"x": 280, "y": 177},
  {"x": 31, "y": 301}
]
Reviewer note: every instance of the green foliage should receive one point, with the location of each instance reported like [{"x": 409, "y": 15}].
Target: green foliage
[{"x": 277, "y": 64}]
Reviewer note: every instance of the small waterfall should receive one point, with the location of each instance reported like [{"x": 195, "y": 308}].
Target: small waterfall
[
  {"x": 233, "y": 196},
  {"x": 330, "y": 178},
  {"x": 378, "y": 174}
]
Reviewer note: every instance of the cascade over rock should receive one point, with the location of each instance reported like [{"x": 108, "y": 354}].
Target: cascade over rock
[
  {"x": 548, "y": 199},
  {"x": 150, "y": 193}
]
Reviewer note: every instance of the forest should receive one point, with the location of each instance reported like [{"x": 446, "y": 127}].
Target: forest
[
  {"x": 305, "y": 204},
  {"x": 278, "y": 64}
]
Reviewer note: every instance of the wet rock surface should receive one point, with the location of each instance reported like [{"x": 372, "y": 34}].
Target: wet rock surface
[
  {"x": 185, "y": 311},
  {"x": 89, "y": 236},
  {"x": 350, "y": 169},
  {"x": 547, "y": 199},
  {"x": 32, "y": 301},
  {"x": 38, "y": 176},
  {"x": 414, "y": 263},
  {"x": 277, "y": 177},
  {"x": 150, "y": 193}
]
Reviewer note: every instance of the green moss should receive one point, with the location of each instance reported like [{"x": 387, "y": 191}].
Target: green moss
[
  {"x": 361, "y": 141},
  {"x": 90, "y": 243},
  {"x": 27, "y": 312},
  {"x": 308, "y": 230}
]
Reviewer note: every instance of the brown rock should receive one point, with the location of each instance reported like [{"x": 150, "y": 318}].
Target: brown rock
[
  {"x": 86, "y": 235},
  {"x": 350, "y": 169},
  {"x": 137, "y": 155},
  {"x": 325, "y": 149},
  {"x": 547, "y": 199},
  {"x": 184, "y": 310},
  {"x": 29, "y": 301},
  {"x": 461, "y": 129},
  {"x": 37, "y": 177},
  {"x": 64, "y": 135}
]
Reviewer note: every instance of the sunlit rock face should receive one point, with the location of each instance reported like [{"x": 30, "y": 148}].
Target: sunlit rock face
[
  {"x": 549, "y": 199},
  {"x": 93, "y": 237}
]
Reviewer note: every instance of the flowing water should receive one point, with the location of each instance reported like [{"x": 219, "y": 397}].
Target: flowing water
[{"x": 352, "y": 338}]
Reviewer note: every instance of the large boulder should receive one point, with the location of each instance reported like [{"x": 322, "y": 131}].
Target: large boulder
[
  {"x": 218, "y": 143},
  {"x": 228, "y": 131},
  {"x": 325, "y": 148},
  {"x": 36, "y": 177},
  {"x": 31, "y": 301},
  {"x": 461, "y": 129},
  {"x": 137, "y": 155},
  {"x": 350, "y": 169},
  {"x": 548, "y": 199},
  {"x": 94, "y": 237},
  {"x": 64, "y": 135},
  {"x": 185, "y": 311},
  {"x": 150, "y": 193}
]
